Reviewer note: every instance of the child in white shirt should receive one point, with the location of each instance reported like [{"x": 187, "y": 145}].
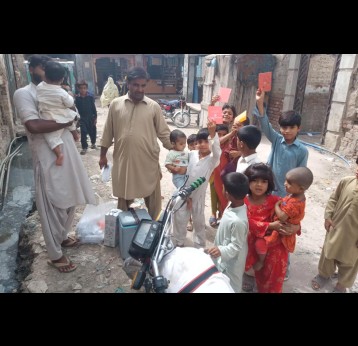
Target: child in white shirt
[
  {"x": 201, "y": 164},
  {"x": 55, "y": 104}
]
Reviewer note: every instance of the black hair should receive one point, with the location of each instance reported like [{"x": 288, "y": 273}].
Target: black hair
[
  {"x": 81, "y": 82},
  {"x": 250, "y": 135},
  {"x": 191, "y": 139},
  {"x": 37, "y": 60},
  {"x": 175, "y": 135},
  {"x": 290, "y": 118},
  {"x": 222, "y": 127},
  {"x": 261, "y": 171},
  {"x": 232, "y": 107},
  {"x": 137, "y": 73},
  {"x": 54, "y": 71},
  {"x": 202, "y": 134},
  {"x": 236, "y": 184}
]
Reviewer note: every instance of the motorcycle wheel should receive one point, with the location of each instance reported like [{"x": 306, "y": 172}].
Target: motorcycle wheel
[{"x": 181, "y": 119}]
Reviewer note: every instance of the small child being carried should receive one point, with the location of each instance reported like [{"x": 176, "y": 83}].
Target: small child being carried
[
  {"x": 290, "y": 209},
  {"x": 177, "y": 159},
  {"x": 56, "y": 104}
]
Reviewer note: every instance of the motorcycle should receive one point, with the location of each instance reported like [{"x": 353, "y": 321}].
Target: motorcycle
[
  {"x": 152, "y": 242},
  {"x": 180, "y": 118}
]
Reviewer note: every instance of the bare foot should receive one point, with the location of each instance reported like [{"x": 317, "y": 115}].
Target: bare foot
[
  {"x": 258, "y": 265},
  {"x": 339, "y": 289},
  {"x": 59, "y": 160}
]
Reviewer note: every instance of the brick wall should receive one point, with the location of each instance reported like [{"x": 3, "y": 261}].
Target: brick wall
[
  {"x": 315, "y": 103},
  {"x": 277, "y": 94}
]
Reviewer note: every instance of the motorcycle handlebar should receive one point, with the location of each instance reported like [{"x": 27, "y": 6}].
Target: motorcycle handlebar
[{"x": 186, "y": 191}]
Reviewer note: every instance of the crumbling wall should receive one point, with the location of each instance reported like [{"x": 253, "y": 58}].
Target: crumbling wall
[
  {"x": 239, "y": 72},
  {"x": 316, "y": 97},
  {"x": 7, "y": 131},
  {"x": 349, "y": 143}
]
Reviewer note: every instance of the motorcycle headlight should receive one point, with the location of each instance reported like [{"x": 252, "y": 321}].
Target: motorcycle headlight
[{"x": 145, "y": 239}]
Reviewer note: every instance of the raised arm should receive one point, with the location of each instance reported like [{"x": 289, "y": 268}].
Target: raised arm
[
  {"x": 214, "y": 143},
  {"x": 260, "y": 113}
]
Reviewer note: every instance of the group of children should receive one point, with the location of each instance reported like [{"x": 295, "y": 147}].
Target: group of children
[
  {"x": 266, "y": 204},
  {"x": 249, "y": 233}
]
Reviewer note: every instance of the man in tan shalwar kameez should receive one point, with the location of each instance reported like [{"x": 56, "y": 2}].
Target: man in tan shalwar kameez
[
  {"x": 135, "y": 122},
  {"x": 340, "y": 248},
  {"x": 58, "y": 188}
]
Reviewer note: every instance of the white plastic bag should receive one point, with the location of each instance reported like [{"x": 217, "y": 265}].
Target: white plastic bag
[
  {"x": 106, "y": 172},
  {"x": 90, "y": 228}
]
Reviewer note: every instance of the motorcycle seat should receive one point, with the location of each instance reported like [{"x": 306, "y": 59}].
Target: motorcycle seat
[{"x": 168, "y": 103}]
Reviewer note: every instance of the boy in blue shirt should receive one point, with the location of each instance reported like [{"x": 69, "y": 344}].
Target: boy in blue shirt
[{"x": 287, "y": 152}]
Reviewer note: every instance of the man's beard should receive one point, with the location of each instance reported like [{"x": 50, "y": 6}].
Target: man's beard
[
  {"x": 36, "y": 79},
  {"x": 136, "y": 97}
]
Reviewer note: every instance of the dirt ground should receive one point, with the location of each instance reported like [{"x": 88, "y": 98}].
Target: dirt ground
[{"x": 100, "y": 268}]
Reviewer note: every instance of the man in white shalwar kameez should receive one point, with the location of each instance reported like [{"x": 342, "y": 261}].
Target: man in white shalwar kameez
[
  {"x": 58, "y": 188},
  {"x": 201, "y": 164}
]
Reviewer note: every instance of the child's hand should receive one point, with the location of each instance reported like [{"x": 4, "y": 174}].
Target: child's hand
[
  {"x": 260, "y": 95},
  {"x": 214, "y": 99},
  {"x": 235, "y": 127},
  {"x": 233, "y": 154},
  {"x": 289, "y": 228},
  {"x": 211, "y": 128},
  {"x": 278, "y": 203},
  {"x": 214, "y": 252},
  {"x": 275, "y": 225}
]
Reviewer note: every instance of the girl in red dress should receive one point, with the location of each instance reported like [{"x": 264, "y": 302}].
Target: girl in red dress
[{"x": 260, "y": 212}]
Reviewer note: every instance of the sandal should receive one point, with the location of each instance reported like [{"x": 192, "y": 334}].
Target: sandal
[
  {"x": 67, "y": 267},
  {"x": 213, "y": 221},
  {"x": 318, "y": 282},
  {"x": 69, "y": 242},
  {"x": 336, "y": 290}
]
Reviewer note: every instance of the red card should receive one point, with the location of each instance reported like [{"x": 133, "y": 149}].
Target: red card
[
  {"x": 215, "y": 113},
  {"x": 224, "y": 94},
  {"x": 265, "y": 81}
]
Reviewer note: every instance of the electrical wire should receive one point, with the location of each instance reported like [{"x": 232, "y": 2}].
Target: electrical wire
[{"x": 326, "y": 150}]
